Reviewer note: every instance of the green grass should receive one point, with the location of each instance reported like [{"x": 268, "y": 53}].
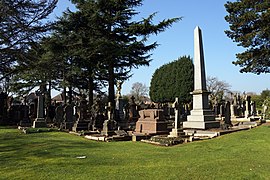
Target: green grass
[{"x": 52, "y": 155}]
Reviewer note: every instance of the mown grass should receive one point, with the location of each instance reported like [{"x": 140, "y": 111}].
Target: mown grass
[{"x": 52, "y": 155}]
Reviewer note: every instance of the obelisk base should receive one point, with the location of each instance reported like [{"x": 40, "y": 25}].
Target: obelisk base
[
  {"x": 201, "y": 119},
  {"x": 201, "y": 125}
]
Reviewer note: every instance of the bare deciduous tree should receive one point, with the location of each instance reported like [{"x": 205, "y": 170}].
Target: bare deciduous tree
[
  {"x": 139, "y": 91},
  {"x": 217, "y": 88}
]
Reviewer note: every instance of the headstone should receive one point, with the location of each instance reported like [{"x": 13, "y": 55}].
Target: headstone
[
  {"x": 59, "y": 115},
  {"x": 201, "y": 116},
  {"x": 3, "y": 107},
  {"x": 253, "y": 108},
  {"x": 51, "y": 113},
  {"x": 176, "y": 130},
  {"x": 83, "y": 121},
  {"x": 109, "y": 125},
  {"x": 133, "y": 112},
  {"x": 247, "y": 106},
  {"x": 97, "y": 113},
  {"x": 40, "y": 120},
  {"x": 227, "y": 119},
  {"x": 25, "y": 122},
  {"x": 68, "y": 117},
  {"x": 119, "y": 106}
]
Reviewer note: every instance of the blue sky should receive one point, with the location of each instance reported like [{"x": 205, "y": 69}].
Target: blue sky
[{"x": 219, "y": 50}]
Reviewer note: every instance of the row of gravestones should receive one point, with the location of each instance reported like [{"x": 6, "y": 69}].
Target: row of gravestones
[
  {"x": 238, "y": 108},
  {"x": 12, "y": 114}
]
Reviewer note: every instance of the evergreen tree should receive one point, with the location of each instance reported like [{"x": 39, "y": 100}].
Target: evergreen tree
[
  {"x": 250, "y": 27},
  {"x": 173, "y": 80},
  {"x": 122, "y": 41},
  {"x": 22, "y": 24}
]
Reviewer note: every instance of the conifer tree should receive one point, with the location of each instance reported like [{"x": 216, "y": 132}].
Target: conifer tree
[
  {"x": 173, "y": 80},
  {"x": 22, "y": 24},
  {"x": 250, "y": 27},
  {"x": 123, "y": 41}
]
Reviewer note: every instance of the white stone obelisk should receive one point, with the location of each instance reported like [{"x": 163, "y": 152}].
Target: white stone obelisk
[{"x": 201, "y": 116}]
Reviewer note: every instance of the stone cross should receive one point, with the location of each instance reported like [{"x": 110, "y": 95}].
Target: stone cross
[
  {"x": 176, "y": 109},
  {"x": 40, "y": 106},
  {"x": 40, "y": 120}
]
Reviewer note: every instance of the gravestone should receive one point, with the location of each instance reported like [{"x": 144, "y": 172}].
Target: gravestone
[
  {"x": 227, "y": 117},
  {"x": 119, "y": 107},
  {"x": 133, "y": 113},
  {"x": 97, "y": 113},
  {"x": 40, "y": 120},
  {"x": 59, "y": 115},
  {"x": 68, "y": 117},
  {"x": 201, "y": 116},
  {"x": 109, "y": 125},
  {"x": 25, "y": 122},
  {"x": 50, "y": 113},
  {"x": 3, "y": 107},
  {"x": 253, "y": 108},
  {"x": 247, "y": 106},
  {"x": 83, "y": 121},
  {"x": 151, "y": 121},
  {"x": 176, "y": 130}
]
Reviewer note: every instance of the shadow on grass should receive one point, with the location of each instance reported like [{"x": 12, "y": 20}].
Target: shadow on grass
[{"x": 19, "y": 147}]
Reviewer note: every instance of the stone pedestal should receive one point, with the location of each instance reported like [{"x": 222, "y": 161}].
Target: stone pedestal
[
  {"x": 81, "y": 126},
  {"x": 39, "y": 123},
  {"x": 151, "y": 121},
  {"x": 40, "y": 120},
  {"x": 201, "y": 117},
  {"x": 119, "y": 112},
  {"x": 109, "y": 126}
]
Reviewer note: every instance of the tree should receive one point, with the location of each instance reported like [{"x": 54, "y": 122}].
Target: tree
[
  {"x": 265, "y": 93},
  {"x": 82, "y": 46},
  {"x": 139, "y": 91},
  {"x": 249, "y": 27},
  {"x": 122, "y": 41},
  {"x": 261, "y": 98},
  {"x": 22, "y": 24},
  {"x": 217, "y": 88},
  {"x": 173, "y": 80},
  {"x": 44, "y": 68}
]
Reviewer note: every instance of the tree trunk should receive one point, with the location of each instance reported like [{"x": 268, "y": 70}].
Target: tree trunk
[
  {"x": 65, "y": 95},
  {"x": 90, "y": 92},
  {"x": 70, "y": 94},
  {"x": 111, "y": 85}
]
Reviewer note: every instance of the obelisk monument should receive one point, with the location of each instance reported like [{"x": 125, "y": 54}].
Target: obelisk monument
[{"x": 201, "y": 116}]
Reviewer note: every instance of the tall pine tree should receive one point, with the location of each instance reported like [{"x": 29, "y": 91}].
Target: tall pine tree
[{"x": 123, "y": 41}]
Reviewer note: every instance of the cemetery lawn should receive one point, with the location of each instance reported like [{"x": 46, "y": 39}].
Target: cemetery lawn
[{"x": 53, "y": 155}]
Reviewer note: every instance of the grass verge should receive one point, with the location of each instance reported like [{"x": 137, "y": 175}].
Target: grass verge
[{"x": 53, "y": 155}]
